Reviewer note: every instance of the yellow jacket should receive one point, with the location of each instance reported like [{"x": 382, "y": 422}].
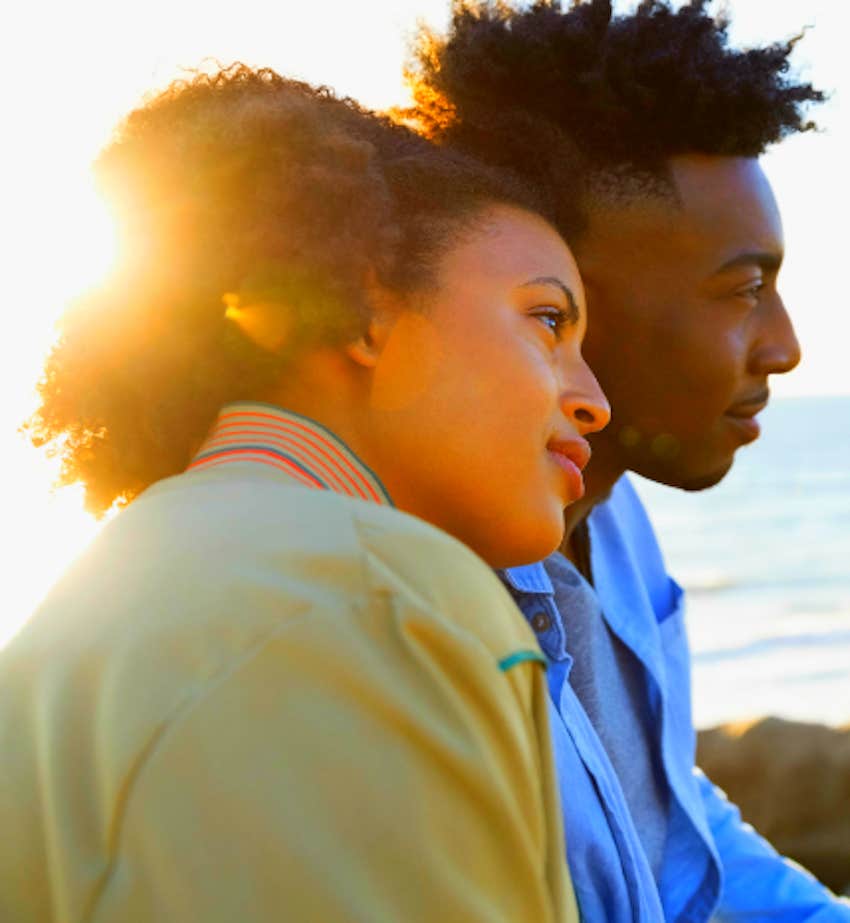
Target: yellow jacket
[{"x": 252, "y": 701}]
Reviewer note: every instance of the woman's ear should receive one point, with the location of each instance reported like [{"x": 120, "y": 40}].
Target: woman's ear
[
  {"x": 385, "y": 307},
  {"x": 366, "y": 350},
  {"x": 400, "y": 347}
]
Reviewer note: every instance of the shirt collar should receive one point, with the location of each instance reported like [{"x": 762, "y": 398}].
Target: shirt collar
[
  {"x": 528, "y": 578},
  {"x": 533, "y": 592},
  {"x": 263, "y": 434}
]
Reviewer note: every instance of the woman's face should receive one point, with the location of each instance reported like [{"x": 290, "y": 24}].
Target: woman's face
[{"x": 481, "y": 397}]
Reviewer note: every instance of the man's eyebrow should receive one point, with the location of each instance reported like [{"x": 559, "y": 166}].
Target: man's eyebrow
[
  {"x": 769, "y": 261},
  {"x": 573, "y": 314}
]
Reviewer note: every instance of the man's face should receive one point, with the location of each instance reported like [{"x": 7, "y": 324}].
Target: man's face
[{"x": 685, "y": 323}]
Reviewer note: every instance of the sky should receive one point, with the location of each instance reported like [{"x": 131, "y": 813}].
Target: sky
[{"x": 73, "y": 69}]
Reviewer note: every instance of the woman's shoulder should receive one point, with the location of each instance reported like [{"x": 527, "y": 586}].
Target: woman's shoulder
[
  {"x": 353, "y": 550},
  {"x": 198, "y": 551},
  {"x": 200, "y": 574}
]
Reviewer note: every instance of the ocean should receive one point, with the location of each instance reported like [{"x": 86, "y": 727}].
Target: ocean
[{"x": 765, "y": 559}]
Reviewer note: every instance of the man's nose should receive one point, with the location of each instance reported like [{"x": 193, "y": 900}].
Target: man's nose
[
  {"x": 583, "y": 401},
  {"x": 776, "y": 350}
]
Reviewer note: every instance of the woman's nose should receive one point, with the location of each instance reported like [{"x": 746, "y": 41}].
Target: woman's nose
[{"x": 584, "y": 402}]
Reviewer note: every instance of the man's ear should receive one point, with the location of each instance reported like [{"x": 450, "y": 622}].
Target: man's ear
[{"x": 385, "y": 307}]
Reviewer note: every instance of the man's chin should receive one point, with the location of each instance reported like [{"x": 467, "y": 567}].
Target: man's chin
[
  {"x": 690, "y": 478},
  {"x": 704, "y": 481},
  {"x": 668, "y": 461}
]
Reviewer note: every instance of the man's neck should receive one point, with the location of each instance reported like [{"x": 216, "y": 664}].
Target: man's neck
[{"x": 599, "y": 478}]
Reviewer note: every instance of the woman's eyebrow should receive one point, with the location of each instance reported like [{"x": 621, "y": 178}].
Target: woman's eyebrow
[{"x": 573, "y": 314}]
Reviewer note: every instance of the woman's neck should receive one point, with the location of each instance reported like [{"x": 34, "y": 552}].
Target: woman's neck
[{"x": 600, "y": 476}]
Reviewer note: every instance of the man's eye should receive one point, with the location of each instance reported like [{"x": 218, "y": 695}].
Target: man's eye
[{"x": 752, "y": 291}]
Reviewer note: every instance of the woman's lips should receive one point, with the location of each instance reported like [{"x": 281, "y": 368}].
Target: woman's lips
[{"x": 571, "y": 456}]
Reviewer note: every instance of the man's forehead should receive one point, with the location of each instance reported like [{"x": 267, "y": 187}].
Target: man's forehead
[
  {"x": 717, "y": 208},
  {"x": 717, "y": 183}
]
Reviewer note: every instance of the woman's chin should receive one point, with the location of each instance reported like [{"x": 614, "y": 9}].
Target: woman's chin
[{"x": 538, "y": 542}]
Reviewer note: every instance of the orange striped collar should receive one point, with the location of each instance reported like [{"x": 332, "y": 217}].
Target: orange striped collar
[{"x": 262, "y": 434}]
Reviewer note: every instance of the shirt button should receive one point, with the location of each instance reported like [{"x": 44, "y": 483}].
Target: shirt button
[{"x": 541, "y": 622}]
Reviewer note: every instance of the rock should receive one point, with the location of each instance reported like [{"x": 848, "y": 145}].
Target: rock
[{"x": 792, "y": 783}]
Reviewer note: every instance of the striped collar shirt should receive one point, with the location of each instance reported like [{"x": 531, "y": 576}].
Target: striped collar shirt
[{"x": 263, "y": 434}]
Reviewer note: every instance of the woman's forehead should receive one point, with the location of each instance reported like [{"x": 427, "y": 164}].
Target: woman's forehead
[{"x": 510, "y": 240}]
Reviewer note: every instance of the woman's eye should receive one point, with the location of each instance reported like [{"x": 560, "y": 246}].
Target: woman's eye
[{"x": 553, "y": 318}]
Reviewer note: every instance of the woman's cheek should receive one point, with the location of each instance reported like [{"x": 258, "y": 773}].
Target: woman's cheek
[{"x": 409, "y": 365}]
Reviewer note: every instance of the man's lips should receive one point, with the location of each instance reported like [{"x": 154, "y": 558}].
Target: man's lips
[
  {"x": 742, "y": 414},
  {"x": 750, "y": 405}
]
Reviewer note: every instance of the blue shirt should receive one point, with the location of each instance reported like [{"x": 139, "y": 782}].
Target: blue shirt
[
  {"x": 713, "y": 864},
  {"x": 612, "y": 689}
]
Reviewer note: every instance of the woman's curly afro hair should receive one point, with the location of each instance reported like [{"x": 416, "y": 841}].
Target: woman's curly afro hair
[
  {"x": 614, "y": 94},
  {"x": 236, "y": 195}
]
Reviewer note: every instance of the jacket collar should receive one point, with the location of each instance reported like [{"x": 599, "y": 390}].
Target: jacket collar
[{"x": 263, "y": 434}]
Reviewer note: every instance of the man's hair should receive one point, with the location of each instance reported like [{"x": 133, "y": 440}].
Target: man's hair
[
  {"x": 239, "y": 196},
  {"x": 583, "y": 94}
]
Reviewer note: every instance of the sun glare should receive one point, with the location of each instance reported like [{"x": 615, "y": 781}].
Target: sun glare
[
  {"x": 90, "y": 235},
  {"x": 75, "y": 248}
]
